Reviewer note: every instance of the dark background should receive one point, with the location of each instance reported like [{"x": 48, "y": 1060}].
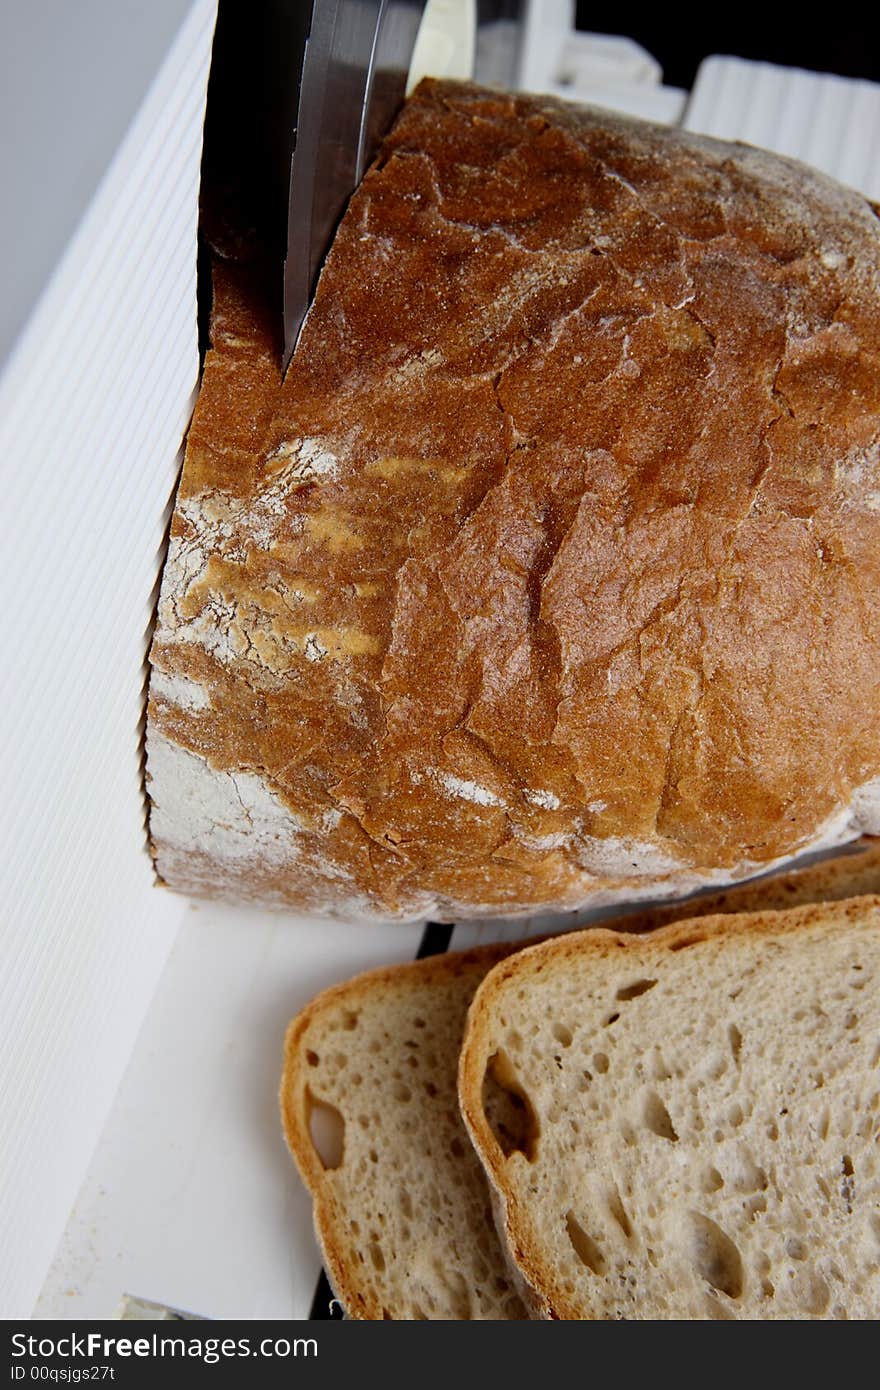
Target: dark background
[{"x": 836, "y": 38}]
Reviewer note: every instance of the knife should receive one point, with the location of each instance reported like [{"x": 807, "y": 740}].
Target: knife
[{"x": 355, "y": 65}]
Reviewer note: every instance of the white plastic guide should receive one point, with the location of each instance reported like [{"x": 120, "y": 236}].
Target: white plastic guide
[{"x": 95, "y": 397}]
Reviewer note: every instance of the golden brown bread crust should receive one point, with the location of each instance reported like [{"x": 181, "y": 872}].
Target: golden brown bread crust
[
  {"x": 550, "y": 574},
  {"x": 513, "y": 1217}
]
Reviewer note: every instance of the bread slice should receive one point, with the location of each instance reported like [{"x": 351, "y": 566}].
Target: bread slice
[
  {"x": 402, "y": 1211},
  {"x": 702, "y": 1114},
  {"x": 409, "y": 1233}
]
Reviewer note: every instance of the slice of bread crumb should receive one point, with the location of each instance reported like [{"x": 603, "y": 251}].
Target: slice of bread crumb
[{"x": 704, "y": 1116}]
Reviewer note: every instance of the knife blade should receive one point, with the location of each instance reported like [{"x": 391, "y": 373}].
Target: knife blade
[{"x": 354, "y": 73}]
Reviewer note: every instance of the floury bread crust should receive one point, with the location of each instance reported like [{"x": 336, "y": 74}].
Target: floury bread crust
[
  {"x": 550, "y": 574},
  {"x": 703, "y": 1116}
]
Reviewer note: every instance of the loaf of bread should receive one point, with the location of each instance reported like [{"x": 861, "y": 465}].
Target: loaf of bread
[
  {"x": 370, "y": 1111},
  {"x": 550, "y": 574},
  {"x": 703, "y": 1116}
]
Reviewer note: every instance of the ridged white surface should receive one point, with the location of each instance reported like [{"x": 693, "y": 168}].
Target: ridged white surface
[
  {"x": 94, "y": 404},
  {"x": 830, "y": 122}
]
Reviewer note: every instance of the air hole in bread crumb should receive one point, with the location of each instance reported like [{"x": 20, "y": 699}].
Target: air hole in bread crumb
[
  {"x": 586, "y": 1249},
  {"x": 814, "y": 1294},
  {"x": 326, "y": 1130},
  {"x": 712, "y": 1180},
  {"x": 457, "y": 1300},
  {"x": 562, "y": 1034},
  {"x": 633, "y": 991},
  {"x": 659, "y": 1069},
  {"x": 508, "y": 1110},
  {"x": 619, "y": 1212},
  {"x": 687, "y": 941},
  {"x": 312, "y": 1058},
  {"x": 736, "y": 1041},
  {"x": 600, "y": 1062},
  {"x": 657, "y": 1118},
  {"x": 377, "y": 1259},
  {"x": 612, "y": 1018},
  {"x": 716, "y": 1258},
  {"x": 717, "y": 1311},
  {"x": 349, "y": 1020}
]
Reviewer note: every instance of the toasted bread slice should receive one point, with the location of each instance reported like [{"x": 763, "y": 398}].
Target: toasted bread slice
[{"x": 702, "y": 1116}]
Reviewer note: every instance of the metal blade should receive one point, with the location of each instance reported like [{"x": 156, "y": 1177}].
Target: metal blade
[{"x": 354, "y": 74}]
